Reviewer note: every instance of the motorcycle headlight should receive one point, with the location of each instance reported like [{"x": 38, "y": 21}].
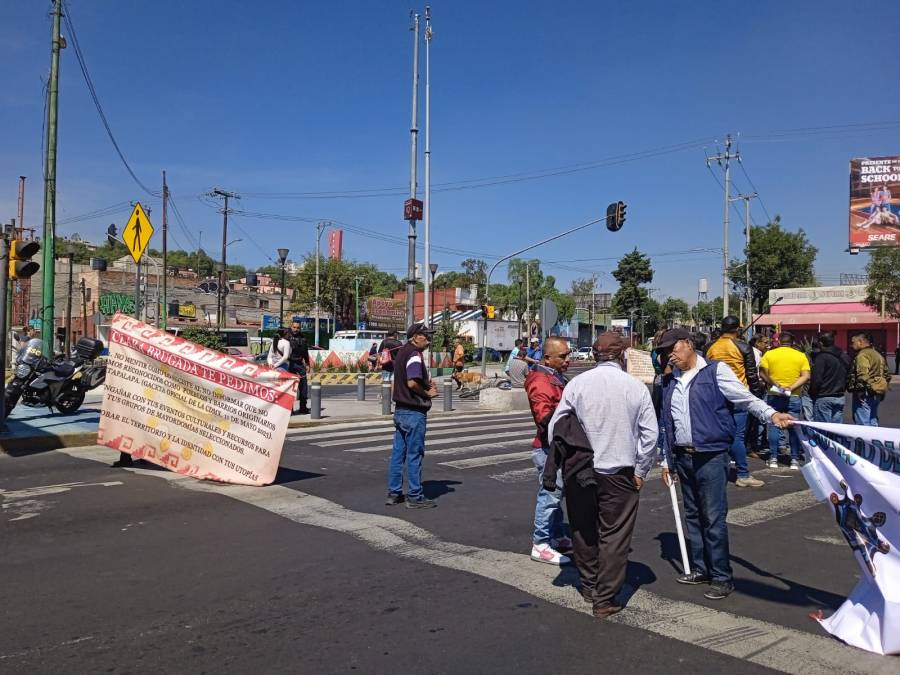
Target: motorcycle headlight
[{"x": 23, "y": 370}]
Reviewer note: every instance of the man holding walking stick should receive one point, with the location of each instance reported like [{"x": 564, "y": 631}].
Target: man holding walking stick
[{"x": 698, "y": 399}]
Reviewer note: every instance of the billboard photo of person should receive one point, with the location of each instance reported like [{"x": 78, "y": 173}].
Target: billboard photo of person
[{"x": 874, "y": 220}]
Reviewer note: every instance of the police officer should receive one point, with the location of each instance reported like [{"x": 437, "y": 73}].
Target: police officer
[{"x": 299, "y": 364}]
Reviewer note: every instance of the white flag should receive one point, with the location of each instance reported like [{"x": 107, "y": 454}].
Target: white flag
[{"x": 856, "y": 469}]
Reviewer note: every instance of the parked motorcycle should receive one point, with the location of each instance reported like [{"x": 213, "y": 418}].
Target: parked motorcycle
[{"x": 60, "y": 384}]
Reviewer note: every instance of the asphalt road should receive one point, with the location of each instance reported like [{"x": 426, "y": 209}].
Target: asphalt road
[{"x": 141, "y": 571}]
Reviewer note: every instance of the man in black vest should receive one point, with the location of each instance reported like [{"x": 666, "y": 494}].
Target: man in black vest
[
  {"x": 299, "y": 364},
  {"x": 699, "y": 397}
]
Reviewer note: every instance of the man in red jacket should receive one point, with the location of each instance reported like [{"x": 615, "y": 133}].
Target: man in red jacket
[{"x": 544, "y": 386}]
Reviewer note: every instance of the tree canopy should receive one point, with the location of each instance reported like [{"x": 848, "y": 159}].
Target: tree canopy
[{"x": 883, "y": 269}]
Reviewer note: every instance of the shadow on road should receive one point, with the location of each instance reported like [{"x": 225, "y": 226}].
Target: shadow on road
[
  {"x": 636, "y": 575},
  {"x": 435, "y": 489},
  {"x": 790, "y": 593},
  {"x": 288, "y": 475},
  {"x": 669, "y": 550}
]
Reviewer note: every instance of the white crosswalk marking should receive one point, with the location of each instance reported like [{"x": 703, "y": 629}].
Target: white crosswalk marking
[
  {"x": 466, "y": 449},
  {"x": 431, "y": 434},
  {"x": 380, "y": 425},
  {"x": 770, "y": 509},
  {"x": 488, "y": 460},
  {"x": 464, "y": 441},
  {"x": 516, "y": 475}
]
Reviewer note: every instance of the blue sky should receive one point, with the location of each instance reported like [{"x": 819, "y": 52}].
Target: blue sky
[{"x": 291, "y": 97}]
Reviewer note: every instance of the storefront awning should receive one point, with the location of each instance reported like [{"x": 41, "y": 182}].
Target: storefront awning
[{"x": 825, "y": 319}]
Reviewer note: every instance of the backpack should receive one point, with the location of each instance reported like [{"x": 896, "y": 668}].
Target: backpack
[{"x": 385, "y": 357}]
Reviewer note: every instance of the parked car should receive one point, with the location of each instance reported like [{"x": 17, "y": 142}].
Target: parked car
[{"x": 583, "y": 354}]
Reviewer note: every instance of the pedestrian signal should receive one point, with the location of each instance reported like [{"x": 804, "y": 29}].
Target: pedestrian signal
[
  {"x": 490, "y": 311},
  {"x": 20, "y": 264},
  {"x": 615, "y": 216}
]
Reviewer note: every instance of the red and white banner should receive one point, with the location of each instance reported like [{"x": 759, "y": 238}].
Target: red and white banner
[{"x": 193, "y": 410}]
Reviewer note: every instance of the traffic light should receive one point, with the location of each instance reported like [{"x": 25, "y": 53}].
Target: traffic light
[
  {"x": 615, "y": 216},
  {"x": 490, "y": 311},
  {"x": 20, "y": 264}
]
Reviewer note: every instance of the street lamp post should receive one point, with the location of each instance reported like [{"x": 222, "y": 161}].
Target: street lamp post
[
  {"x": 356, "y": 281},
  {"x": 433, "y": 267},
  {"x": 320, "y": 227},
  {"x": 282, "y": 256}
]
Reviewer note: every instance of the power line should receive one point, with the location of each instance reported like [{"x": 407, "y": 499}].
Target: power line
[
  {"x": 758, "y": 197},
  {"x": 79, "y": 56},
  {"x": 98, "y": 213}
]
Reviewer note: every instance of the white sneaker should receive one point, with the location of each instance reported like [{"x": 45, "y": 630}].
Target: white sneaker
[
  {"x": 543, "y": 553},
  {"x": 772, "y": 463},
  {"x": 795, "y": 465}
]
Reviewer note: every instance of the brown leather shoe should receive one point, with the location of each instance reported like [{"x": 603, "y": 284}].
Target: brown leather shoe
[{"x": 605, "y": 611}]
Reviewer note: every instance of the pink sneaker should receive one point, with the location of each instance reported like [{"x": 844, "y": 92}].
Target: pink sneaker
[{"x": 545, "y": 554}]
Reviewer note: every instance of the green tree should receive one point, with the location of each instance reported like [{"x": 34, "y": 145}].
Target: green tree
[
  {"x": 633, "y": 270},
  {"x": 883, "y": 269},
  {"x": 205, "y": 337},
  {"x": 778, "y": 259},
  {"x": 675, "y": 310}
]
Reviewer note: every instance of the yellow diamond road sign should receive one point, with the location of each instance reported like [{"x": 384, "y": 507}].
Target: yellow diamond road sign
[{"x": 137, "y": 232}]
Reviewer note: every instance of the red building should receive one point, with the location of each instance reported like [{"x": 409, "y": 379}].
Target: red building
[{"x": 454, "y": 299}]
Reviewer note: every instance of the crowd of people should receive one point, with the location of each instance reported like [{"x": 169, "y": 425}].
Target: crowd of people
[{"x": 599, "y": 435}]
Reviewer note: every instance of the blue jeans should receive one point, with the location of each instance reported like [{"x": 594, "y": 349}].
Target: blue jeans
[
  {"x": 807, "y": 405},
  {"x": 829, "y": 409},
  {"x": 409, "y": 449},
  {"x": 704, "y": 477},
  {"x": 738, "y": 450},
  {"x": 548, "y": 515},
  {"x": 865, "y": 409},
  {"x": 794, "y": 406}
]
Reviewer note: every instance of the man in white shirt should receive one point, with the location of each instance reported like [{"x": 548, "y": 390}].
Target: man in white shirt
[{"x": 616, "y": 413}]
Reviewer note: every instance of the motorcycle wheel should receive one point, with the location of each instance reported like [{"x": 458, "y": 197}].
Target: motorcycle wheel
[
  {"x": 69, "y": 401},
  {"x": 11, "y": 398}
]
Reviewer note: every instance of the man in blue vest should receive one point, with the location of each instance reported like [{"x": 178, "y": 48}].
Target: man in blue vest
[{"x": 699, "y": 399}]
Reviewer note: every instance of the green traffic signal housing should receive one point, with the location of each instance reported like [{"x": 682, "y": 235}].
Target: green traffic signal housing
[{"x": 20, "y": 264}]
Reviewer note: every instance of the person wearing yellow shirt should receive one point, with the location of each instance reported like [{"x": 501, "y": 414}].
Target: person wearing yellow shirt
[{"x": 785, "y": 370}]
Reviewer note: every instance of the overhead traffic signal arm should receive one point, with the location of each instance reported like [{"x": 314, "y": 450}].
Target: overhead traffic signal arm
[{"x": 20, "y": 264}]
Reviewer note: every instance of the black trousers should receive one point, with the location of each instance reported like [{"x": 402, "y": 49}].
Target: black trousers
[
  {"x": 299, "y": 368},
  {"x": 602, "y": 519}
]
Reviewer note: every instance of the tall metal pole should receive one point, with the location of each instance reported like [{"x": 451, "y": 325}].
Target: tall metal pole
[
  {"x": 429, "y": 309},
  {"x": 48, "y": 272},
  {"x": 725, "y": 227},
  {"x": 223, "y": 275},
  {"x": 357, "y": 280},
  {"x": 528, "y": 297},
  {"x": 84, "y": 319},
  {"x": 165, "y": 254},
  {"x": 4, "y": 282},
  {"x": 137, "y": 291},
  {"x": 320, "y": 226},
  {"x": 281, "y": 307},
  {"x": 747, "y": 264},
  {"x": 413, "y": 133},
  {"x": 67, "y": 343}
]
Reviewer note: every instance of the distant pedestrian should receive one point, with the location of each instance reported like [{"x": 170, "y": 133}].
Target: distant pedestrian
[
  {"x": 701, "y": 341},
  {"x": 518, "y": 371},
  {"x": 897, "y": 359},
  {"x": 459, "y": 361},
  {"x": 805, "y": 399},
  {"x": 869, "y": 380},
  {"x": 519, "y": 342},
  {"x": 534, "y": 354},
  {"x": 828, "y": 381},
  {"x": 22, "y": 340},
  {"x": 280, "y": 351},
  {"x": 757, "y": 438},
  {"x": 372, "y": 358},
  {"x": 785, "y": 370},
  {"x": 300, "y": 365},
  {"x": 544, "y": 386},
  {"x": 613, "y": 413},
  {"x": 387, "y": 352},
  {"x": 738, "y": 355},
  {"x": 698, "y": 398},
  {"x": 413, "y": 391}
]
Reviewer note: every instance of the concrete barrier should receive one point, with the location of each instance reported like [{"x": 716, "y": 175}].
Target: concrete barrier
[{"x": 498, "y": 399}]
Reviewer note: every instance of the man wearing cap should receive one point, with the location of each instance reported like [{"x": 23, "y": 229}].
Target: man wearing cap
[
  {"x": 534, "y": 354},
  {"x": 738, "y": 355},
  {"x": 616, "y": 414},
  {"x": 544, "y": 386},
  {"x": 413, "y": 391},
  {"x": 699, "y": 397}
]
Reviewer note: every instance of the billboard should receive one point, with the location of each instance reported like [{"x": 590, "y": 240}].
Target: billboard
[
  {"x": 874, "y": 202},
  {"x": 336, "y": 244}
]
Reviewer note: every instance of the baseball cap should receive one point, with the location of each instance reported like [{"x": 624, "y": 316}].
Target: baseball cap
[
  {"x": 419, "y": 329},
  {"x": 610, "y": 344},
  {"x": 534, "y": 339},
  {"x": 671, "y": 336},
  {"x": 730, "y": 323}
]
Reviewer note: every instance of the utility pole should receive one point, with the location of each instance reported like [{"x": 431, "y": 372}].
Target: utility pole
[
  {"x": 357, "y": 280},
  {"x": 747, "y": 293},
  {"x": 48, "y": 278},
  {"x": 84, "y": 319},
  {"x": 413, "y": 134},
  {"x": 165, "y": 253},
  {"x": 67, "y": 349},
  {"x": 429, "y": 309},
  {"x": 528, "y": 297},
  {"x": 593, "y": 307},
  {"x": 725, "y": 157},
  {"x": 320, "y": 227},
  {"x": 221, "y": 320}
]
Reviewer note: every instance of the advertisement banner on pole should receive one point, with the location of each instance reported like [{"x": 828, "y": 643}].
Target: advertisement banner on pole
[
  {"x": 874, "y": 202},
  {"x": 193, "y": 410},
  {"x": 855, "y": 470}
]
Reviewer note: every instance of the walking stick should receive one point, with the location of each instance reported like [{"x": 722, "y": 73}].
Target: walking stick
[{"x": 678, "y": 526}]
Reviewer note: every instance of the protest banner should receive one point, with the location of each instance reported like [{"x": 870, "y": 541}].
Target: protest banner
[
  {"x": 856, "y": 470},
  {"x": 193, "y": 410},
  {"x": 639, "y": 365}
]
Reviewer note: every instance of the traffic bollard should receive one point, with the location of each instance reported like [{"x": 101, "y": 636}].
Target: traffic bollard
[
  {"x": 361, "y": 387},
  {"x": 315, "y": 401},
  {"x": 385, "y": 398},
  {"x": 448, "y": 395}
]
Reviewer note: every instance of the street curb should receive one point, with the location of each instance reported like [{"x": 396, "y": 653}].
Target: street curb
[{"x": 28, "y": 445}]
